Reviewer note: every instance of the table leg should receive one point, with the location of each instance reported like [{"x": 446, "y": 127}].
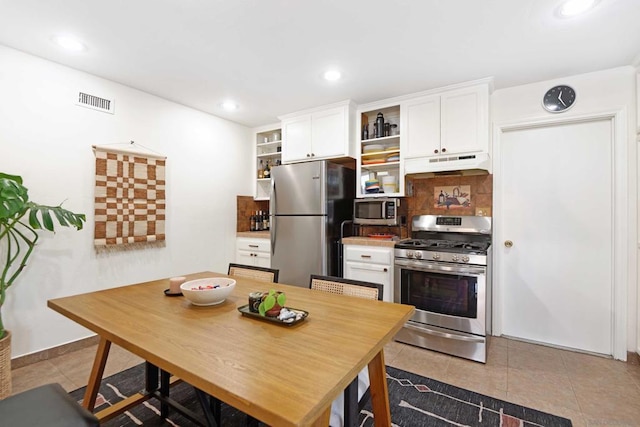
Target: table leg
[
  {"x": 95, "y": 377},
  {"x": 164, "y": 390},
  {"x": 351, "y": 404},
  {"x": 379, "y": 391}
]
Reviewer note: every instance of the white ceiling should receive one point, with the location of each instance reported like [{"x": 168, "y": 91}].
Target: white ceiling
[{"x": 268, "y": 55}]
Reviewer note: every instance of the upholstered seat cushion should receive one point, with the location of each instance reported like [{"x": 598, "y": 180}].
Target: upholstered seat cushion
[{"x": 48, "y": 405}]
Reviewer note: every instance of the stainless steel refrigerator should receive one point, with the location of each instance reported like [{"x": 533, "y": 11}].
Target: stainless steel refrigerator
[{"x": 309, "y": 201}]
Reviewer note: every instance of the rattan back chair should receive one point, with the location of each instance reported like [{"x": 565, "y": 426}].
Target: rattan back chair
[
  {"x": 355, "y": 288},
  {"x": 341, "y": 286},
  {"x": 258, "y": 273}
]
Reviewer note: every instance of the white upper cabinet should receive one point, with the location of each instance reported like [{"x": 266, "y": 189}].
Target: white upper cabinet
[
  {"x": 322, "y": 133},
  {"x": 328, "y": 136},
  {"x": 464, "y": 119},
  {"x": 451, "y": 122},
  {"x": 296, "y": 138},
  {"x": 421, "y": 126}
]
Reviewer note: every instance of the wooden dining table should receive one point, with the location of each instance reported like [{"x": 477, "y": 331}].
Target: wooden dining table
[{"x": 281, "y": 375}]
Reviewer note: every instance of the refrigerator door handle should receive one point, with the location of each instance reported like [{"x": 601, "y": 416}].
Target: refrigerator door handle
[{"x": 273, "y": 222}]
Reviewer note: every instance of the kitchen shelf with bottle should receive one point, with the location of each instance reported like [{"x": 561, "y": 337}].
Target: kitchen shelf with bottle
[
  {"x": 379, "y": 156},
  {"x": 268, "y": 153}
]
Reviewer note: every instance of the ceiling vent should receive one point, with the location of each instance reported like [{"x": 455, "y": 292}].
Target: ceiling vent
[{"x": 95, "y": 102}]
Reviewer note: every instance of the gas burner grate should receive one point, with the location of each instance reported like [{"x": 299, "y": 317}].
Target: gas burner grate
[{"x": 443, "y": 245}]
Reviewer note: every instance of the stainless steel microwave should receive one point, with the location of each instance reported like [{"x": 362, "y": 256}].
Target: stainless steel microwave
[{"x": 378, "y": 211}]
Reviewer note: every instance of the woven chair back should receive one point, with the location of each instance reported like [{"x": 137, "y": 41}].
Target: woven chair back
[
  {"x": 354, "y": 288},
  {"x": 257, "y": 273}
]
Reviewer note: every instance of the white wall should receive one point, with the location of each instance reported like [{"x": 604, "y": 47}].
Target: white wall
[
  {"x": 605, "y": 91},
  {"x": 47, "y": 140}
]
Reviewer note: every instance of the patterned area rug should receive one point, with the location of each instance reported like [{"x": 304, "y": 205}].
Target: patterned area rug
[
  {"x": 415, "y": 401},
  {"x": 420, "y": 401}
]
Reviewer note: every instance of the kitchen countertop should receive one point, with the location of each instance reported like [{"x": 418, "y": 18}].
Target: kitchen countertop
[
  {"x": 355, "y": 240},
  {"x": 255, "y": 234},
  {"x": 368, "y": 241}
]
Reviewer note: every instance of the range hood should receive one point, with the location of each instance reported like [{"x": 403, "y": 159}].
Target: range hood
[{"x": 461, "y": 162}]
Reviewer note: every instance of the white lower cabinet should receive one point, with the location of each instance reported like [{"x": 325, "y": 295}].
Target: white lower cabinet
[
  {"x": 252, "y": 251},
  {"x": 370, "y": 264}
]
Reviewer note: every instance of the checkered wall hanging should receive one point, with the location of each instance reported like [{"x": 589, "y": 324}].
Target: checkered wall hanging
[{"x": 130, "y": 200}]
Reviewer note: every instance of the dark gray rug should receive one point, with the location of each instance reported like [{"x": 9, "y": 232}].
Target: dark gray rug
[{"x": 415, "y": 401}]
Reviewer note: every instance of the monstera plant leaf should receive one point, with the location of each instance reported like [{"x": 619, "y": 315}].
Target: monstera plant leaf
[
  {"x": 13, "y": 196},
  {"x": 18, "y": 237}
]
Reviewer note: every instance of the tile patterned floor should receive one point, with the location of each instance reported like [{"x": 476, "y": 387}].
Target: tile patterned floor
[{"x": 589, "y": 390}]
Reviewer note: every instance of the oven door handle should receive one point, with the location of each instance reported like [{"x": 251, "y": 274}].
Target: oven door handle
[
  {"x": 443, "y": 334},
  {"x": 446, "y": 269}
]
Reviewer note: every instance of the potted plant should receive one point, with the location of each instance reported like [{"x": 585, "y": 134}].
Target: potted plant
[
  {"x": 272, "y": 303},
  {"x": 20, "y": 219}
]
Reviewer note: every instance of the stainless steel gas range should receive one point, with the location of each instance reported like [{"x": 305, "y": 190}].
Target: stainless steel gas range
[{"x": 444, "y": 271}]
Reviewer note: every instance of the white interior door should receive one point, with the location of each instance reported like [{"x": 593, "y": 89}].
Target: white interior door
[{"x": 556, "y": 280}]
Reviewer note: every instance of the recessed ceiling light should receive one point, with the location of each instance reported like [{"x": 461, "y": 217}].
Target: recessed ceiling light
[
  {"x": 576, "y": 7},
  {"x": 332, "y": 75},
  {"x": 229, "y": 105},
  {"x": 69, "y": 43}
]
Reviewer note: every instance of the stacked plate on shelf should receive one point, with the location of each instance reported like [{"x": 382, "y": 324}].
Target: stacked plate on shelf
[
  {"x": 372, "y": 148},
  {"x": 393, "y": 157}
]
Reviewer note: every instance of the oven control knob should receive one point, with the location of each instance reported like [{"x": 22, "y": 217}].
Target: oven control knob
[
  {"x": 436, "y": 256},
  {"x": 465, "y": 258},
  {"x": 418, "y": 255},
  {"x": 409, "y": 254},
  {"x": 454, "y": 258}
]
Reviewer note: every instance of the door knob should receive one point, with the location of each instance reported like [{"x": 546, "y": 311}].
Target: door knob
[{"x": 508, "y": 243}]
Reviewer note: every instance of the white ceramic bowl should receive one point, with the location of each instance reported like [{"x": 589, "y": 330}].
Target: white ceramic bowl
[{"x": 205, "y": 292}]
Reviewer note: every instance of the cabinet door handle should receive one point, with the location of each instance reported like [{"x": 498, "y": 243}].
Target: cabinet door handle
[
  {"x": 385, "y": 269},
  {"x": 254, "y": 246},
  {"x": 365, "y": 256},
  {"x": 435, "y": 151},
  {"x": 308, "y": 155},
  {"x": 444, "y": 150}
]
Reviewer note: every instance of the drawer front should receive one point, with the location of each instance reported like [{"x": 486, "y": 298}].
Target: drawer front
[
  {"x": 254, "y": 245},
  {"x": 369, "y": 254}
]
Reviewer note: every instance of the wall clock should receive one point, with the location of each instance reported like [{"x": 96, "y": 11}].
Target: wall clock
[{"x": 559, "y": 98}]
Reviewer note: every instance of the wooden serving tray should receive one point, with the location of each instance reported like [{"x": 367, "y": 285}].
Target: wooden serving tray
[{"x": 246, "y": 312}]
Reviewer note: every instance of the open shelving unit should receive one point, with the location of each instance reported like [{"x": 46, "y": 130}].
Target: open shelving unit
[
  {"x": 379, "y": 157},
  {"x": 268, "y": 143}
]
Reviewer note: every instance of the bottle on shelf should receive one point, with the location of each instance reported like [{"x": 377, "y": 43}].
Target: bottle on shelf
[
  {"x": 365, "y": 131},
  {"x": 259, "y": 226},
  {"x": 267, "y": 171},
  {"x": 266, "y": 220},
  {"x": 379, "y": 125},
  {"x": 261, "y": 170},
  {"x": 252, "y": 223}
]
